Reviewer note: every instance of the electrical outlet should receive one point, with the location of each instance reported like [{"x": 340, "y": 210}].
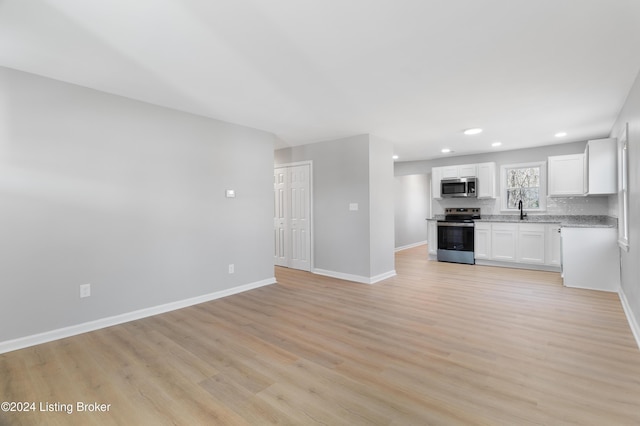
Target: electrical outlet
[
  {"x": 232, "y": 268},
  {"x": 85, "y": 290}
]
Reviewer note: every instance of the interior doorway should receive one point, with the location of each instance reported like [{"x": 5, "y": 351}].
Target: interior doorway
[{"x": 292, "y": 222}]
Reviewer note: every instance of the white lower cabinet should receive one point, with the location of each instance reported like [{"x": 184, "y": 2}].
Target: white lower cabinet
[
  {"x": 482, "y": 241},
  {"x": 436, "y": 178},
  {"x": 531, "y": 243},
  {"x": 534, "y": 244},
  {"x": 591, "y": 258},
  {"x": 432, "y": 237},
  {"x": 553, "y": 252},
  {"x": 503, "y": 241}
]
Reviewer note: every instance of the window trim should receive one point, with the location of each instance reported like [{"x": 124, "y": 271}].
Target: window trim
[
  {"x": 623, "y": 189},
  {"x": 543, "y": 185}
]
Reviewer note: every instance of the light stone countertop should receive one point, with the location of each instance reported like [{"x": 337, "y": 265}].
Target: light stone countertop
[{"x": 567, "y": 221}]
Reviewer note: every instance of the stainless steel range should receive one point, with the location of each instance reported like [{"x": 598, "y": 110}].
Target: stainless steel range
[{"x": 456, "y": 235}]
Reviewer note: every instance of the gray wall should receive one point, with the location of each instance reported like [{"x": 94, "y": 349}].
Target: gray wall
[
  {"x": 124, "y": 195},
  {"x": 498, "y": 156},
  {"x": 343, "y": 240},
  {"x": 412, "y": 194},
  {"x": 630, "y": 268},
  {"x": 599, "y": 205},
  {"x": 381, "y": 206}
]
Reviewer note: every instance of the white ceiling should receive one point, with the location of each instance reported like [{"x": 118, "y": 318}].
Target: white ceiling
[{"x": 415, "y": 72}]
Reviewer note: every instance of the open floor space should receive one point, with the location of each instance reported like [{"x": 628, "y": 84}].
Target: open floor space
[{"x": 439, "y": 344}]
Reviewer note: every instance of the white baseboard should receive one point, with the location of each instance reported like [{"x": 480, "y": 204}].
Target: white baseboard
[
  {"x": 635, "y": 328},
  {"x": 355, "y": 278},
  {"x": 408, "y": 246},
  {"x": 516, "y": 265},
  {"x": 61, "y": 333},
  {"x": 382, "y": 277}
]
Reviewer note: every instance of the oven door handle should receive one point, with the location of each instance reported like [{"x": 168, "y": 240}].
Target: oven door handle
[{"x": 457, "y": 224}]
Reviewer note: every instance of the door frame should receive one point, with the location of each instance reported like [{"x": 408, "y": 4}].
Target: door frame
[{"x": 311, "y": 215}]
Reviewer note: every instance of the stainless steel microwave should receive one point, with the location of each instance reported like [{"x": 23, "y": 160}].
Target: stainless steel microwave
[{"x": 458, "y": 188}]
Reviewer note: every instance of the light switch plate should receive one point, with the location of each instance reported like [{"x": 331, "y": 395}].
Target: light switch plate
[
  {"x": 231, "y": 193},
  {"x": 85, "y": 290},
  {"x": 353, "y": 207}
]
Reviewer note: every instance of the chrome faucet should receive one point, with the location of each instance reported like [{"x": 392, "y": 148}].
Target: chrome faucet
[{"x": 521, "y": 212}]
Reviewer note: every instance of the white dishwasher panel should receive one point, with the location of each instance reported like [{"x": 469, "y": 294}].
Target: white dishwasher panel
[{"x": 591, "y": 258}]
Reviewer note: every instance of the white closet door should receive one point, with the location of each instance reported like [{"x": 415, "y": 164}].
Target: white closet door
[
  {"x": 279, "y": 219},
  {"x": 300, "y": 202},
  {"x": 292, "y": 218}
]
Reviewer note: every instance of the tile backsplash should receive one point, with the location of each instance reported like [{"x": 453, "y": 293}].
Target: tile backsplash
[
  {"x": 564, "y": 206},
  {"x": 574, "y": 206}
]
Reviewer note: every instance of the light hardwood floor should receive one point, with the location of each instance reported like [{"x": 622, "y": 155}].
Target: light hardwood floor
[{"x": 440, "y": 344}]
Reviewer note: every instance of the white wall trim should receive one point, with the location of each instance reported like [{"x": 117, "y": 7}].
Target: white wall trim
[
  {"x": 355, "y": 278},
  {"x": 635, "y": 328},
  {"x": 294, "y": 164},
  {"x": 61, "y": 333},
  {"x": 408, "y": 246}
]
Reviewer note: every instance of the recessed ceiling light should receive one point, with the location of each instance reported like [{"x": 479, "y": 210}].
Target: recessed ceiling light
[
  {"x": 561, "y": 134},
  {"x": 496, "y": 144},
  {"x": 395, "y": 157},
  {"x": 474, "y": 131},
  {"x": 445, "y": 150}
]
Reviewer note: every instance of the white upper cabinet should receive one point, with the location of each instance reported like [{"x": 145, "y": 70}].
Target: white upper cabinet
[
  {"x": 487, "y": 180},
  {"x": 459, "y": 171},
  {"x": 436, "y": 177},
  {"x": 449, "y": 172},
  {"x": 601, "y": 166},
  {"x": 567, "y": 175},
  {"x": 591, "y": 173},
  {"x": 468, "y": 170}
]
